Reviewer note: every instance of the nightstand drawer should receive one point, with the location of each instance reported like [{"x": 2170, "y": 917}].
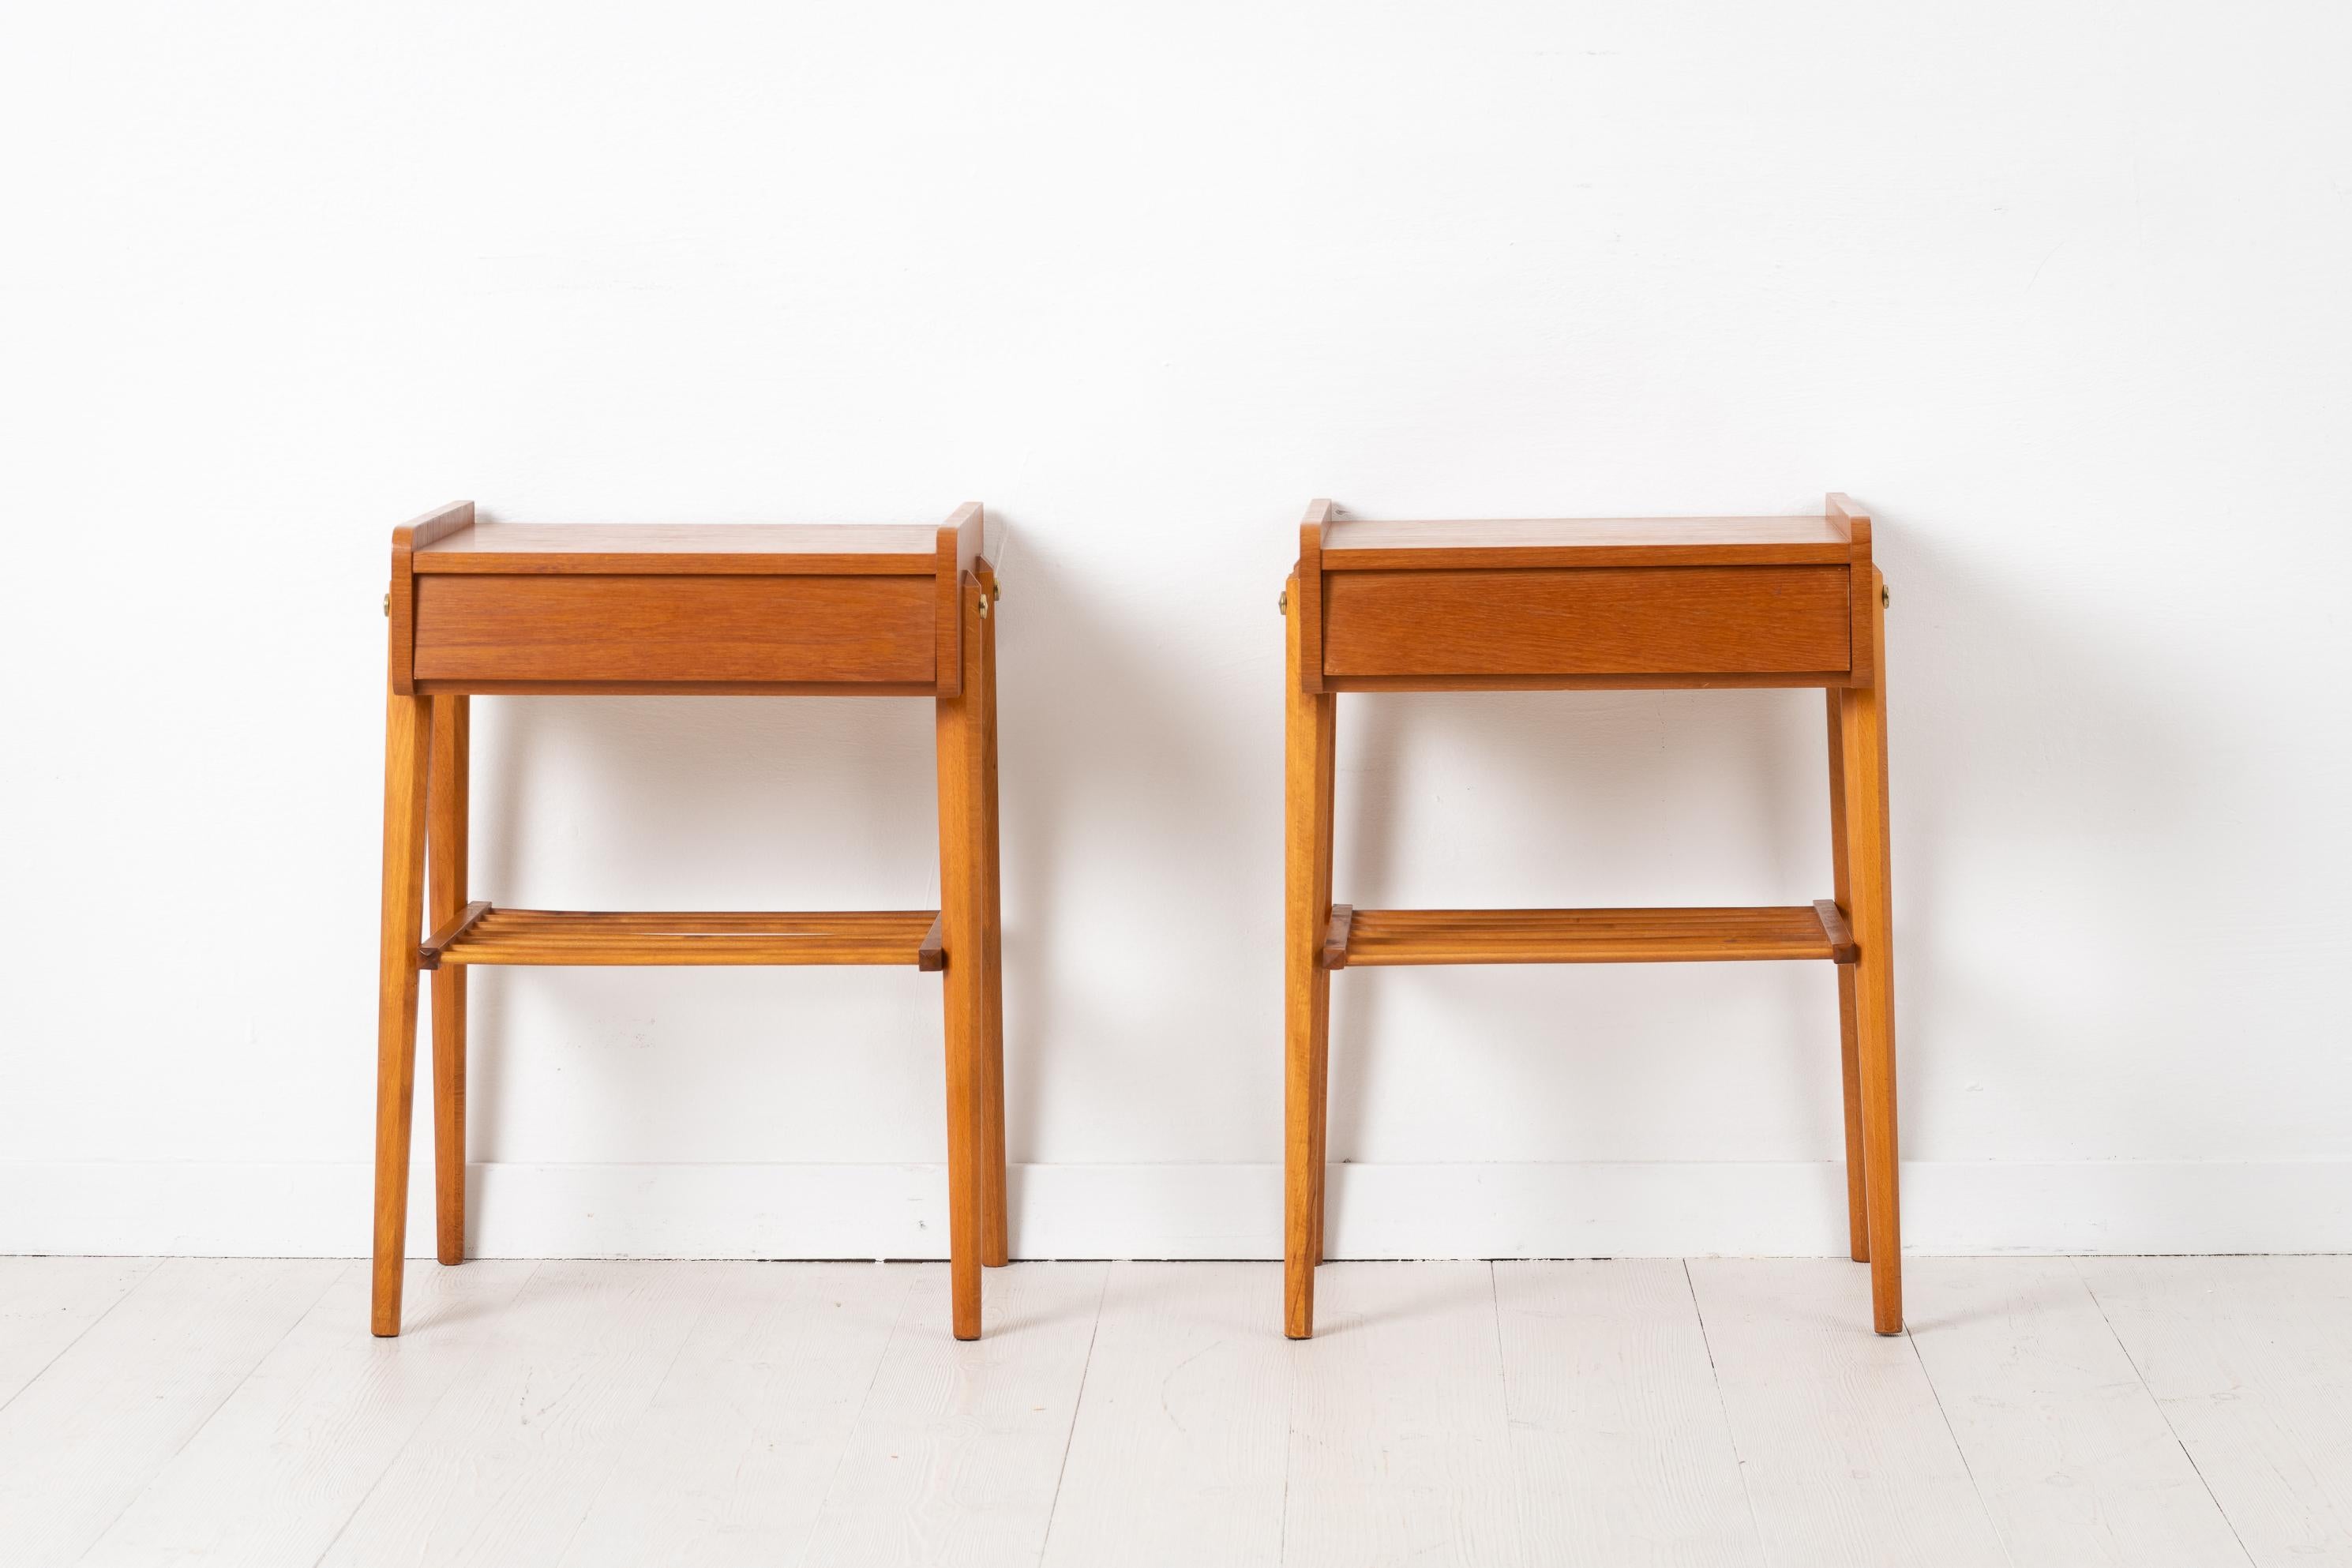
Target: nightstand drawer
[
  {"x": 657, "y": 629},
  {"x": 1670, "y": 620}
]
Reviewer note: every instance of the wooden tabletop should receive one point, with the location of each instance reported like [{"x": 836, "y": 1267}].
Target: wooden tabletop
[
  {"x": 776, "y": 608},
  {"x": 781, "y": 549},
  {"x": 1362, "y": 544}
]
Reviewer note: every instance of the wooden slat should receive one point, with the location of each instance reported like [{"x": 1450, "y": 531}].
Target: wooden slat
[
  {"x": 720, "y": 937},
  {"x": 428, "y": 954},
  {"x": 1584, "y": 936},
  {"x": 686, "y": 951},
  {"x": 704, "y": 920}
]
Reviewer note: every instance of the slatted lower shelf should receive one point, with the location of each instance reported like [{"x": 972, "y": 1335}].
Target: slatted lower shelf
[
  {"x": 484, "y": 934},
  {"x": 1368, "y": 937}
]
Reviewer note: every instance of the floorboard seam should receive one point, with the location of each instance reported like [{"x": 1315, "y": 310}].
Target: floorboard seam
[
  {"x": 1503, "y": 1378},
  {"x": 1078, "y": 1403},
  {"x": 1723, "y": 1406},
  {"x": 393, "y": 1461},
  {"x": 2000, "y": 1538},
  {"x": 1289, "y": 1449},
  {"x": 154, "y": 1264},
  {"x": 2133, "y": 1361},
  {"x": 194, "y": 1432},
  {"x": 881, "y": 1360},
  {"x": 709, "y": 1300}
]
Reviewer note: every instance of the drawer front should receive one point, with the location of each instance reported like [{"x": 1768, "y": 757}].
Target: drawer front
[
  {"x": 1653, "y": 620},
  {"x": 685, "y": 629}
]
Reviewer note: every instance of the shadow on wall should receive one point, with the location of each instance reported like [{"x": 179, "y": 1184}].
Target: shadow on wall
[
  {"x": 1566, "y": 799},
  {"x": 716, "y": 803},
  {"x": 688, "y": 802},
  {"x": 2055, "y": 971},
  {"x": 1651, "y": 798},
  {"x": 1105, "y": 740},
  {"x": 1597, "y": 798}
]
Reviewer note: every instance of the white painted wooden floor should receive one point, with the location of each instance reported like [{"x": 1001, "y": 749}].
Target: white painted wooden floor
[{"x": 2152, "y": 1412}]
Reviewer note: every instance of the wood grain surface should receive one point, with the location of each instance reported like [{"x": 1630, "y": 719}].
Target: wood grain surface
[
  {"x": 1611, "y": 620},
  {"x": 1585, "y": 936},
  {"x": 676, "y": 628},
  {"x": 2180, "y": 1413},
  {"x": 721, "y": 937},
  {"x": 1358, "y": 544},
  {"x": 513, "y": 549}
]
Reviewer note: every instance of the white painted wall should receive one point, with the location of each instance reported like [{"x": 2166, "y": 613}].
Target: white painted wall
[{"x": 2058, "y": 292}]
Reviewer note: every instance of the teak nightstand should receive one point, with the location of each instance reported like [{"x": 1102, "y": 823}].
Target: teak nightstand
[
  {"x": 792, "y": 610},
  {"x": 1573, "y": 604}
]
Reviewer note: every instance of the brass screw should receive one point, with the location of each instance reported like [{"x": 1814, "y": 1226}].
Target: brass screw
[
  {"x": 1282, "y": 602},
  {"x": 387, "y": 603},
  {"x": 1885, "y": 599}
]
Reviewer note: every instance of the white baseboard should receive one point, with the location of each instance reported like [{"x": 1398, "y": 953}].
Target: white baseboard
[{"x": 1187, "y": 1211}]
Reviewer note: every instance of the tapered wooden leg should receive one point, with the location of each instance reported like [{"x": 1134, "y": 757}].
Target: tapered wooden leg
[
  {"x": 444, "y": 838},
  {"x": 964, "y": 856},
  {"x": 994, "y": 1223},
  {"x": 1318, "y": 1094},
  {"x": 407, "y": 743},
  {"x": 1862, "y": 750},
  {"x": 1857, "y": 1202},
  {"x": 1306, "y": 985}
]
